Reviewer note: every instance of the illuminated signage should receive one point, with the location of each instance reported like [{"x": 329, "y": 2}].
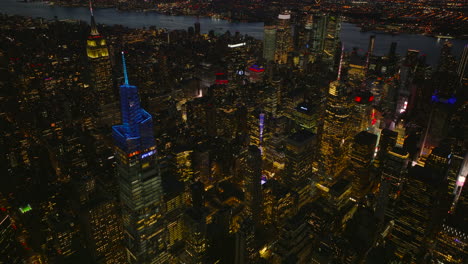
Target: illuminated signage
[
  {"x": 25, "y": 209},
  {"x": 133, "y": 154},
  {"x": 452, "y": 100},
  {"x": 221, "y": 81},
  {"x": 237, "y": 45},
  {"x": 221, "y": 78},
  {"x": 256, "y": 68},
  {"x": 147, "y": 154},
  {"x": 284, "y": 16}
]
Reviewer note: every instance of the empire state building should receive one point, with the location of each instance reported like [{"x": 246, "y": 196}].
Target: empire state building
[{"x": 100, "y": 73}]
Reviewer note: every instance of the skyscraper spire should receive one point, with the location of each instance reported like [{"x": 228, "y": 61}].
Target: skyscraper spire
[
  {"x": 91, "y": 8},
  {"x": 94, "y": 31},
  {"x": 138, "y": 177},
  {"x": 341, "y": 62},
  {"x": 124, "y": 69}
]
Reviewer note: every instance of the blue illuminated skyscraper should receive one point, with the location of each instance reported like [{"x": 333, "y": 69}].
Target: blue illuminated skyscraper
[{"x": 139, "y": 179}]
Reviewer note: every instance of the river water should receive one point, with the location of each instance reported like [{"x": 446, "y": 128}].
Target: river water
[{"x": 350, "y": 34}]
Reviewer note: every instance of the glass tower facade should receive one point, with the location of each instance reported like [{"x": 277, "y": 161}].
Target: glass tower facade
[{"x": 139, "y": 178}]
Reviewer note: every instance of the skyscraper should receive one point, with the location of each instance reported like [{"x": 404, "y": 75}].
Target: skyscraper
[
  {"x": 100, "y": 72},
  {"x": 331, "y": 40},
  {"x": 104, "y": 230},
  {"x": 197, "y": 27},
  {"x": 462, "y": 69},
  {"x": 361, "y": 158},
  {"x": 319, "y": 32},
  {"x": 387, "y": 141},
  {"x": 456, "y": 176},
  {"x": 269, "y": 43},
  {"x": 9, "y": 248},
  {"x": 335, "y": 138},
  {"x": 370, "y": 50},
  {"x": 139, "y": 178},
  {"x": 284, "y": 39},
  {"x": 253, "y": 191},
  {"x": 416, "y": 211},
  {"x": 392, "y": 178},
  {"x": 299, "y": 151}
]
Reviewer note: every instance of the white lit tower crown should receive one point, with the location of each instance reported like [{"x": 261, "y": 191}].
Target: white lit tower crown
[{"x": 284, "y": 40}]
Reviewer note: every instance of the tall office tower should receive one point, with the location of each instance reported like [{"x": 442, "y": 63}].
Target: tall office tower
[
  {"x": 451, "y": 242},
  {"x": 257, "y": 120},
  {"x": 387, "y": 141},
  {"x": 407, "y": 71},
  {"x": 370, "y": 49},
  {"x": 197, "y": 27},
  {"x": 139, "y": 179},
  {"x": 415, "y": 212},
  {"x": 393, "y": 172},
  {"x": 184, "y": 166},
  {"x": 438, "y": 161},
  {"x": 447, "y": 61},
  {"x": 335, "y": 138},
  {"x": 237, "y": 58},
  {"x": 362, "y": 111},
  {"x": 101, "y": 76},
  {"x": 246, "y": 245},
  {"x": 392, "y": 51},
  {"x": 269, "y": 43},
  {"x": 331, "y": 40},
  {"x": 195, "y": 234},
  {"x": 462, "y": 69},
  {"x": 299, "y": 152},
  {"x": 300, "y": 155},
  {"x": 306, "y": 42},
  {"x": 456, "y": 177},
  {"x": 103, "y": 227},
  {"x": 308, "y": 33},
  {"x": 319, "y": 33},
  {"x": 174, "y": 207},
  {"x": 270, "y": 101},
  {"x": 9, "y": 247},
  {"x": 295, "y": 243},
  {"x": 442, "y": 109},
  {"x": 197, "y": 191},
  {"x": 361, "y": 159},
  {"x": 252, "y": 183},
  {"x": 284, "y": 41},
  {"x": 305, "y": 115}
]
